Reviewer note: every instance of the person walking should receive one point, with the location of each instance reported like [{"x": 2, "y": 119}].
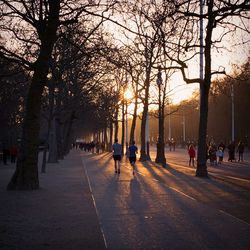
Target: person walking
[
  {"x": 240, "y": 150},
  {"x": 222, "y": 145},
  {"x": 212, "y": 154},
  {"x": 117, "y": 155},
  {"x": 191, "y": 152},
  {"x": 231, "y": 151},
  {"x": 132, "y": 155}
]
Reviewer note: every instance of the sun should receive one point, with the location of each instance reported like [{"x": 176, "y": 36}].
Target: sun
[{"x": 128, "y": 95}]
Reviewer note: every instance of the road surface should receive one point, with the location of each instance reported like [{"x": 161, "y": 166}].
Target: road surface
[{"x": 169, "y": 208}]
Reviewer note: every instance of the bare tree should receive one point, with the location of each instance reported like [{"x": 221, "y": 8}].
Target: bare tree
[
  {"x": 227, "y": 16},
  {"x": 32, "y": 27},
  {"x": 14, "y": 82}
]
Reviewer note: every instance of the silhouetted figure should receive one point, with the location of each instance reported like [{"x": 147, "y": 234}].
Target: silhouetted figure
[
  {"x": 231, "y": 152},
  {"x": 212, "y": 155},
  {"x": 173, "y": 144},
  {"x": 240, "y": 150},
  {"x": 132, "y": 155},
  {"x": 117, "y": 155},
  {"x": 222, "y": 145},
  {"x": 170, "y": 145}
]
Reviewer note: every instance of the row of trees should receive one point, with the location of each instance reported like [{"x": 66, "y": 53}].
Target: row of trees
[
  {"x": 14, "y": 86},
  {"x": 74, "y": 67}
]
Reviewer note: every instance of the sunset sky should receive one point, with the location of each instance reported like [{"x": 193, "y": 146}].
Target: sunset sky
[{"x": 229, "y": 52}]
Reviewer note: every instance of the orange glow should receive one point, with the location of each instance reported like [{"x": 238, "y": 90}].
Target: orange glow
[{"x": 128, "y": 95}]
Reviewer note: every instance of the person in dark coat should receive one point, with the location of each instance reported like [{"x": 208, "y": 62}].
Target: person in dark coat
[
  {"x": 132, "y": 155},
  {"x": 212, "y": 154},
  {"x": 231, "y": 151},
  {"x": 240, "y": 150},
  {"x": 222, "y": 145}
]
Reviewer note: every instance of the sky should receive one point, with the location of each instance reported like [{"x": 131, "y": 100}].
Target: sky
[{"x": 221, "y": 59}]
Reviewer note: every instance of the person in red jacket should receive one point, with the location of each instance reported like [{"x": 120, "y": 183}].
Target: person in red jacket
[{"x": 191, "y": 152}]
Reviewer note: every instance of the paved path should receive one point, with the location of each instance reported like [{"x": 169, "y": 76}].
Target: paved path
[
  {"x": 81, "y": 202},
  {"x": 59, "y": 216},
  {"x": 153, "y": 211}
]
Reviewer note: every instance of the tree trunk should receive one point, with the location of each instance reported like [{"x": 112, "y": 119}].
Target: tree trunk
[
  {"x": 116, "y": 122},
  {"x": 133, "y": 124},
  {"x": 43, "y": 169},
  {"x": 110, "y": 136},
  {"x": 68, "y": 139},
  {"x": 59, "y": 136},
  {"x": 160, "y": 157},
  {"x": 53, "y": 154},
  {"x": 26, "y": 174},
  {"x": 105, "y": 138},
  {"x": 144, "y": 156},
  {"x": 50, "y": 122},
  {"x": 201, "y": 170},
  {"x": 123, "y": 127}
]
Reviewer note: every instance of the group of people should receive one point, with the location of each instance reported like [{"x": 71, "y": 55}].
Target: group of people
[
  {"x": 117, "y": 155},
  {"x": 215, "y": 154},
  {"x": 90, "y": 146},
  {"x": 86, "y": 146}
]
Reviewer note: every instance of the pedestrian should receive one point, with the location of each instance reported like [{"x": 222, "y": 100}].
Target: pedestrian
[
  {"x": 212, "y": 154},
  {"x": 240, "y": 150},
  {"x": 132, "y": 155},
  {"x": 13, "y": 154},
  {"x": 173, "y": 143},
  {"x": 222, "y": 145},
  {"x": 220, "y": 155},
  {"x": 117, "y": 155},
  {"x": 170, "y": 145},
  {"x": 231, "y": 151},
  {"x": 191, "y": 152}
]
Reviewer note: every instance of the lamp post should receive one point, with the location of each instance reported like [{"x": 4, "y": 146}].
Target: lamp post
[
  {"x": 160, "y": 156},
  {"x": 169, "y": 125},
  {"x": 232, "y": 107},
  {"x": 126, "y": 98},
  {"x": 123, "y": 124},
  {"x": 184, "y": 127},
  {"x": 147, "y": 139},
  {"x": 201, "y": 40},
  {"x": 126, "y": 126}
]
